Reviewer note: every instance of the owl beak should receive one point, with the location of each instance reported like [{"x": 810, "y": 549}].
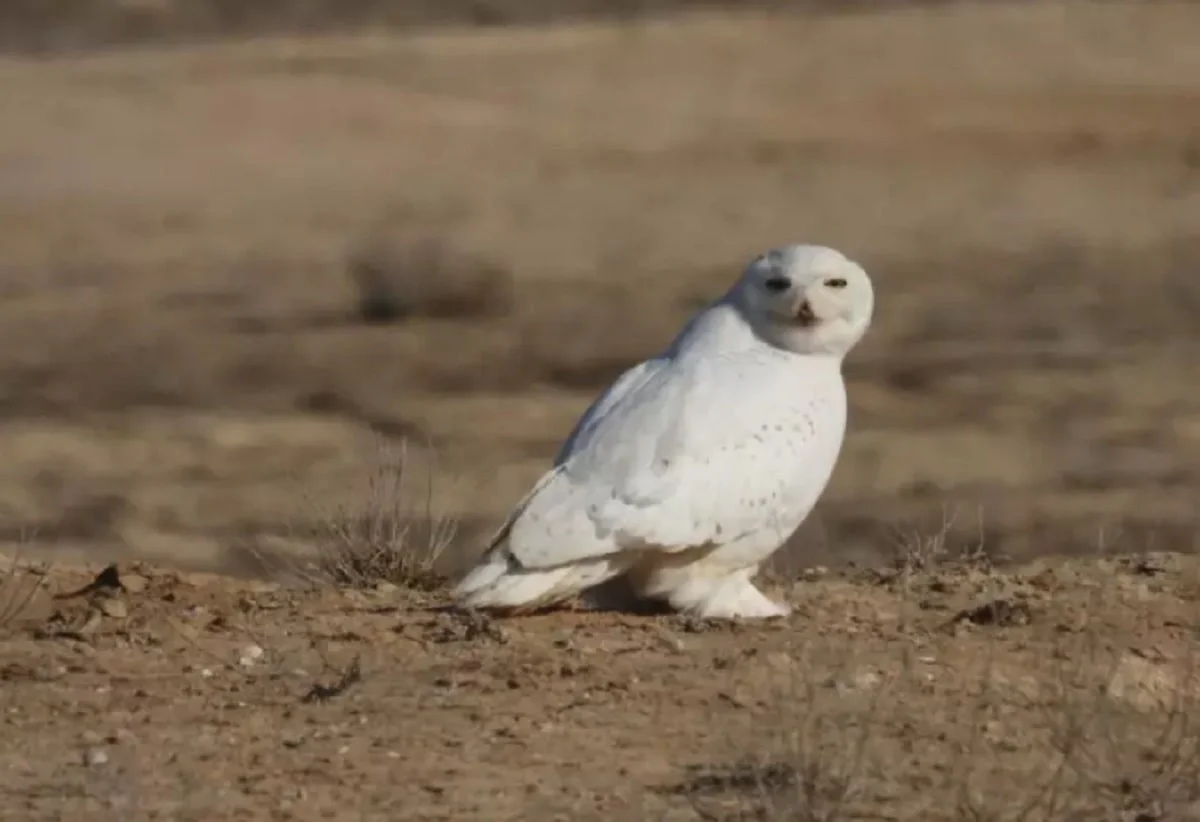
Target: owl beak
[{"x": 805, "y": 316}]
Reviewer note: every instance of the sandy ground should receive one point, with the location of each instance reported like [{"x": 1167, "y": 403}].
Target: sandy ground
[
  {"x": 1067, "y": 690},
  {"x": 190, "y": 235}
]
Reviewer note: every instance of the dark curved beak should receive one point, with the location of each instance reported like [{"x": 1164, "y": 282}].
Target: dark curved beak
[{"x": 805, "y": 316}]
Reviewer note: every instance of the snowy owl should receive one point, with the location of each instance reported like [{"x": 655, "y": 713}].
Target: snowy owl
[{"x": 695, "y": 466}]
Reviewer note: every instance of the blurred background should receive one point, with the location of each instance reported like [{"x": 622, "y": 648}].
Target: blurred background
[{"x": 248, "y": 249}]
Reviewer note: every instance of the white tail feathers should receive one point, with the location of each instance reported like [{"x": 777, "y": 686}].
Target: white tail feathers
[{"x": 499, "y": 582}]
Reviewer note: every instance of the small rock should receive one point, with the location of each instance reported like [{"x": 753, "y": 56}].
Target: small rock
[
  {"x": 866, "y": 679},
  {"x": 197, "y": 613},
  {"x": 250, "y": 655},
  {"x": 386, "y": 588},
  {"x": 861, "y": 680},
  {"x": 134, "y": 583},
  {"x": 671, "y": 643},
  {"x": 113, "y": 607},
  {"x": 95, "y": 757},
  {"x": 90, "y": 738}
]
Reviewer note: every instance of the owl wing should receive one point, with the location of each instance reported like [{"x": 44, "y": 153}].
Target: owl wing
[
  {"x": 678, "y": 461},
  {"x": 556, "y": 490},
  {"x": 629, "y": 381}
]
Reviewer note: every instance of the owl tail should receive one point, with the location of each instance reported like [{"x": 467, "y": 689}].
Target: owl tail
[{"x": 499, "y": 582}]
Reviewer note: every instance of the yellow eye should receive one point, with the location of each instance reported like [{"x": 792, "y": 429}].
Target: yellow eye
[{"x": 836, "y": 282}]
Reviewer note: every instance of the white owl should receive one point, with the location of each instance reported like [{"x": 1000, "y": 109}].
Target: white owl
[{"x": 695, "y": 466}]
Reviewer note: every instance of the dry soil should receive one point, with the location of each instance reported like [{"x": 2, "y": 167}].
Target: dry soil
[{"x": 220, "y": 320}]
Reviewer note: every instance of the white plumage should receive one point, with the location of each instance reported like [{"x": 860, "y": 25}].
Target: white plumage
[{"x": 696, "y": 465}]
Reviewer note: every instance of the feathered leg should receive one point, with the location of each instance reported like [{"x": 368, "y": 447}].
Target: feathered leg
[{"x": 708, "y": 591}]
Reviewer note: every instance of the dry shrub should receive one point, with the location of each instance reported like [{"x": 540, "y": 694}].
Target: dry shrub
[
  {"x": 840, "y": 537},
  {"x": 396, "y": 280},
  {"x": 386, "y": 540},
  {"x": 18, "y": 587}
]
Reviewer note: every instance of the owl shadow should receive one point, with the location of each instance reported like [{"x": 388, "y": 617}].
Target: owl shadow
[{"x": 618, "y": 596}]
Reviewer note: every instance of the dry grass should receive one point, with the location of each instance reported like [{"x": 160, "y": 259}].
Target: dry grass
[
  {"x": 195, "y": 239},
  {"x": 390, "y": 534},
  {"x": 20, "y": 583},
  {"x": 1096, "y": 759},
  {"x": 1077, "y": 722},
  {"x": 386, "y": 543},
  {"x": 181, "y": 275}
]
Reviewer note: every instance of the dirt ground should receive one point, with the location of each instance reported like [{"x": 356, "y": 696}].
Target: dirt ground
[
  {"x": 240, "y": 277},
  {"x": 1065, "y": 690}
]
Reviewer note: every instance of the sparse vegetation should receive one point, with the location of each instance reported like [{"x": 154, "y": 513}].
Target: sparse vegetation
[
  {"x": 19, "y": 584},
  {"x": 199, "y": 336},
  {"x": 383, "y": 538},
  {"x": 874, "y": 700},
  {"x": 1064, "y": 716}
]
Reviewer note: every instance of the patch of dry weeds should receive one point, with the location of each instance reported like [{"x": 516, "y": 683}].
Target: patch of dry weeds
[
  {"x": 396, "y": 535},
  {"x": 20, "y": 583},
  {"x": 1083, "y": 709}
]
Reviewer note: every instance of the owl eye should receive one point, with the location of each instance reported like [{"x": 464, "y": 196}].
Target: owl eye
[
  {"x": 777, "y": 284},
  {"x": 836, "y": 282}
]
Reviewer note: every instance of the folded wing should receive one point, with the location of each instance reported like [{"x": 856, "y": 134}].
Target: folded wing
[{"x": 679, "y": 460}]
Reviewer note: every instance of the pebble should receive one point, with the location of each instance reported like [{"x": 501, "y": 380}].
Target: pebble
[
  {"x": 115, "y": 608},
  {"x": 671, "y": 643},
  {"x": 250, "y": 655},
  {"x": 134, "y": 583}
]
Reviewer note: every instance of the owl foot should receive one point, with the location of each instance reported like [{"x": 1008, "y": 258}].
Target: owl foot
[{"x": 729, "y": 597}]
